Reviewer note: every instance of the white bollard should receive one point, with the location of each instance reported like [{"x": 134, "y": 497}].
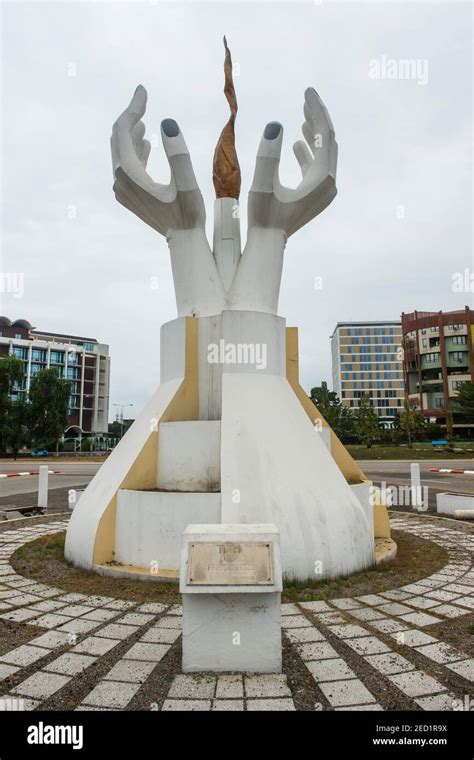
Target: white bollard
[
  {"x": 43, "y": 486},
  {"x": 74, "y": 496},
  {"x": 416, "y": 498}
]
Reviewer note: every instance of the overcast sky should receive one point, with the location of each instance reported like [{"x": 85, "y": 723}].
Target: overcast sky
[{"x": 404, "y": 151}]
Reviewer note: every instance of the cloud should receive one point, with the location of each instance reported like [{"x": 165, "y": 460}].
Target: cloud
[{"x": 69, "y": 70}]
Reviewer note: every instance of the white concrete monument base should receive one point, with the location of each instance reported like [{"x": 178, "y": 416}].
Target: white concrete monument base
[
  {"x": 231, "y": 627},
  {"x": 225, "y": 439}
]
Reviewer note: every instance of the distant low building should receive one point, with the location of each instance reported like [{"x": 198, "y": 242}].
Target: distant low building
[
  {"x": 438, "y": 359},
  {"x": 83, "y": 361},
  {"x": 366, "y": 360}
]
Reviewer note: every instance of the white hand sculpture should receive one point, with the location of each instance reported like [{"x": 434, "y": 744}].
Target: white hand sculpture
[
  {"x": 175, "y": 210},
  {"x": 276, "y": 212}
]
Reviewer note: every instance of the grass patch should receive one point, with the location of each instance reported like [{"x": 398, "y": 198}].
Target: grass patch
[
  {"x": 43, "y": 560},
  {"x": 419, "y": 451},
  {"x": 416, "y": 558}
]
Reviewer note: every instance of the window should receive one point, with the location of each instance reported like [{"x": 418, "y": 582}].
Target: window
[
  {"x": 424, "y": 343},
  {"x": 18, "y": 336},
  {"x": 72, "y": 373},
  {"x": 459, "y": 340},
  {"x": 433, "y": 329},
  {"x": 57, "y": 357},
  {"x": 423, "y": 332},
  {"x": 89, "y": 346},
  {"x": 438, "y": 403},
  {"x": 458, "y": 356},
  {"x": 431, "y": 358},
  {"x": 38, "y": 355},
  {"x": 20, "y": 352},
  {"x": 458, "y": 383},
  {"x": 35, "y": 368}
]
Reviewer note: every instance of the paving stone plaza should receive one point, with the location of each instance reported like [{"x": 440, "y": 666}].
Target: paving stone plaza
[{"x": 359, "y": 653}]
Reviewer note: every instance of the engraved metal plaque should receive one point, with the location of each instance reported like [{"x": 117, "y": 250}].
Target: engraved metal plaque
[{"x": 228, "y": 563}]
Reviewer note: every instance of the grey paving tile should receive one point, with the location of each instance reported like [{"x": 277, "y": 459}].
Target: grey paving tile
[
  {"x": 130, "y": 671},
  {"x": 412, "y": 638},
  {"x": 389, "y": 663},
  {"x": 348, "y": 631},
  {"x": 113, "y": 694},
  {"x": 117, "y": 631},
  {"x": 229, "y": 687},
  {"x": 136, "y": 618},
  {"x": 441, "y": 652},
  {"x": 367, "y": 613},
  {"x": 464, "y": 668},
  {"x": 317, "y": 651},
  {"x": 347, "y": 692},
  {"x": 192, "y": 687},
  {"x": 190, "y": 705},
  {"x": 161, "y": 635},
  {"x": 6, "y": 671},
  {"x": 438, "y": 702},
  {"x": 368, "y": 645},
  {"x": 420, "y": 619},
  {"x": 304, "y": 635},
  {"x": 270, "y": 705},
  {"x": 228, "y": 705},
  {"x": 417, "y": 683},
  {"x": 295, "y": 621},
  {"x": 147, "y": 652},
  {"x": 96, "y": 645},
  {"x": 388, "y": 626},
  {"x": 70, "y": 663},
  {"x": 330, "y": 670},
  {"x": 79, "y": 625},
  {"x": 41, "y": 685},
  {"x": 23, "y": 655},
  {"x": 315, "y": 606},
  {"x": 266, "y": 685}
]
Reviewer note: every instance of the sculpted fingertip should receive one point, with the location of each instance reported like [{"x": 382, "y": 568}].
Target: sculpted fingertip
[
  {"x": 170, "y": 127},
  {"x": 272, "y": 130}
]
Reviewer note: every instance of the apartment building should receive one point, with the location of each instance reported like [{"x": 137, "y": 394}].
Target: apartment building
[
  {"x": 83, "y": 361},
  {"x": 438, "y": 359},
  {"x": 366, "y": 360}
]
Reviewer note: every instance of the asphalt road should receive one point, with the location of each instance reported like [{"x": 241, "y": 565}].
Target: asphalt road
[
  {"x": 391, "y": 472},
  {"x": 397, "y": 473},
  {"x": 72, "y": 474}
]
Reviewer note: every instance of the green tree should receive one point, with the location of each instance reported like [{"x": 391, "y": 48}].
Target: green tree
[
  {"x": 11, "y": 375},
  {"x": 49, "y": 400},
  {"x": 433, "y": 431},
  {"x": 367, "y": 427},
  {"x": 412, "y": 424},
  {"x": 115, "y": 429},
  {"x": 464, "y": 401},
  {"x": 17, "y": 432},
  {"x": 338, "y": 416}
]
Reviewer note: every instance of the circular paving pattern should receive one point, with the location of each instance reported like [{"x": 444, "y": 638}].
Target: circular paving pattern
[{"x": 372, "y": 652}]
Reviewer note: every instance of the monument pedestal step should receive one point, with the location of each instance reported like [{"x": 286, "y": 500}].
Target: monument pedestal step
[
  {"x": 150, "y": 524},
  {"x": 189, "y": 456}
]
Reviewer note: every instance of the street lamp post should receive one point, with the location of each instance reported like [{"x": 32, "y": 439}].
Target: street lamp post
[{"x": 119, "y": 416}]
